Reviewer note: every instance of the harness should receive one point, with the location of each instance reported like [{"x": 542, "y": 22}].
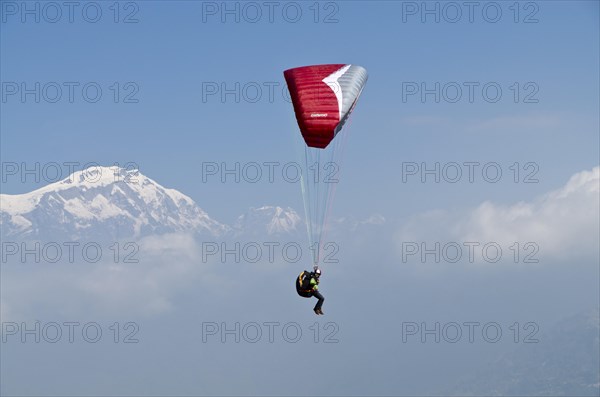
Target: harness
[
  {"x": 303, "y": 279},
  {"x": 303, "y": 285}
]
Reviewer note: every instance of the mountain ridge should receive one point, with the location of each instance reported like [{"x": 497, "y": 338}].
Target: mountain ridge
[{"x": 119, "y": 203}]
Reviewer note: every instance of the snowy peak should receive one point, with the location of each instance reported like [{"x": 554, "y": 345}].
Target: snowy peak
[
  {"x": 270, "y": 220},
  {"x": 353, "y": 224},
  {"x": 110, "y": 202},
  {"x": 95, "y": 177}
]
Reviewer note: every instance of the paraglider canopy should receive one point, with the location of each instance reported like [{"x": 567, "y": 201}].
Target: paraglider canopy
[{"x": 323, "y": 97}]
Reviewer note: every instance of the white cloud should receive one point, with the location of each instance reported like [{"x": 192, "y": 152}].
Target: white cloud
[
  {"x": 563, "y": 223},
  {"x": 169, "y": 268},
  {"x": 166, "y": 264}
]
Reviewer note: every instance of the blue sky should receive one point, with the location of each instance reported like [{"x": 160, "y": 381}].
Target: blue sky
[
  {"x": 170, "y": 131},
  {"x": 171, "y": 53}
]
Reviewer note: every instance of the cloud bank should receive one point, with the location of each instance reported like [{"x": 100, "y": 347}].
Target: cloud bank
[{"x": 563, "y": 223}]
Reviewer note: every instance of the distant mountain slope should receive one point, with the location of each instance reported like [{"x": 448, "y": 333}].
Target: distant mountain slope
[
  {"x": 269, "y": 220},
  {"x": 110, "y": 203},
  {"x": 102, "y": 201}
]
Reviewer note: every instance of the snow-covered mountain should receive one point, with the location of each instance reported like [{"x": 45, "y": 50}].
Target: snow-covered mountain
[
  {"x": 269, "y": 220},
  {"x": 111, "y": 203},
  {"x": 103, "y": 202}
]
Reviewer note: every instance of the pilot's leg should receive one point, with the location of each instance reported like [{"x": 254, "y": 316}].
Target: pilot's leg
[{"x": 321, "y": 299}]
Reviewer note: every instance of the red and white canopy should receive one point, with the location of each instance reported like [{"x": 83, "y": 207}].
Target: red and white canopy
[{"x": 323, "y": 97}]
